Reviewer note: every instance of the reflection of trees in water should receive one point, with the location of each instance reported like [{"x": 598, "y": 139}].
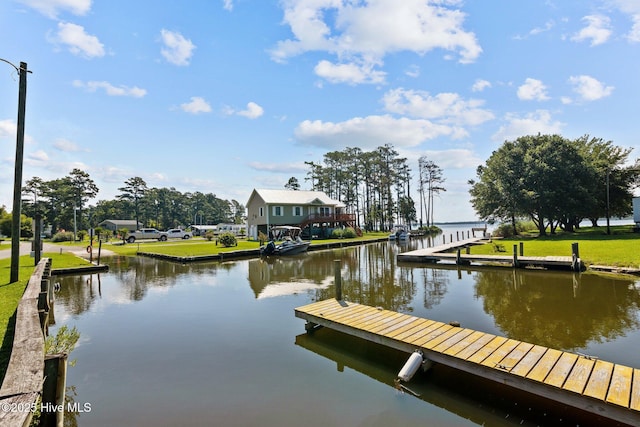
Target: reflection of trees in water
[
  {"x": 434, "y": 284},
  {"x": 370, "y": 276},
  {"x": 564, "y": 311},
  {"x": 135, "y": 276}
]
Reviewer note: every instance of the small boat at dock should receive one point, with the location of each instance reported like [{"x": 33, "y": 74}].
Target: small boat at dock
[{"x": 290, "y": 242}]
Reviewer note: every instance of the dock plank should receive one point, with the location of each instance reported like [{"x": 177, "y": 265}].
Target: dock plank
[
  {"x": 516, "y": 355},
  {"x": 544, "y": 365},
  {"x": 527, "y": 363},
  {"x": 486, "y": 350},
  {"x": 561, "y": 370},
  {"x": 472, "y": 348},
  {"x": 451, "y": 341},
  {"x": 598, "y": 383},
  {"x": 579, "y": 375},
  {"x": 635, "y": 395},
  {"x": 620, "y": 387},
  {"x": 464, "y": 343},
  {"x": 496, "y": 358},
  {"x": 420, "y": 327}
]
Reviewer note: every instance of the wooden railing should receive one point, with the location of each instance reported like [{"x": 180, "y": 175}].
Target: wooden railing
[
  {"x": 319, "y": 217},
  {"x": 24, "y": 377}
]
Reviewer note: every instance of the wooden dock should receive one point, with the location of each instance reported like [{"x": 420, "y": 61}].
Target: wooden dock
[
  {"x": 442, "y": 253},
  {"x": 588, "y": 384}
]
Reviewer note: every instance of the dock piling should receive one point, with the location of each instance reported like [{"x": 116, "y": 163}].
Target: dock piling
[{"x": 338, "y": 279}]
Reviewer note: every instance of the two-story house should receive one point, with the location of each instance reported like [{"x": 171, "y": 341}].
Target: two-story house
[{"x": 267, "y": 208}]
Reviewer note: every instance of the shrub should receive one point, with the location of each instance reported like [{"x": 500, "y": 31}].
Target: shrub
[
  {"x": 349, "y": 233},
  {"x": 62, "y": 236},
  {"x": 227, "y": 239},
  {"x": 209, "y": 235},
  {"x": 336, "y": 233},
  {"x": 82, "y": 234}
]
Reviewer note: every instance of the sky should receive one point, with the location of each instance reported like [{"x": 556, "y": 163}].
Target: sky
[{"x": 224, "y": 96}]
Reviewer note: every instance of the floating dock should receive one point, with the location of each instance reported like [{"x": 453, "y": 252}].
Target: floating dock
[
  {"x": 586, "y": 383},
  {"x": 442, "y": 253}
]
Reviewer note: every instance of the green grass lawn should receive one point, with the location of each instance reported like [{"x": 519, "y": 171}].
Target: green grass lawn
[
  {"x": 10, "y": 294},
  {"x": 621, "y": 248}
]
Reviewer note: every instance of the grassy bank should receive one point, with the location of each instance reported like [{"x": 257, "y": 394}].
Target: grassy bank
[
  {"x": 621, "y": 248},
  {"x": 10, "y": 294}
]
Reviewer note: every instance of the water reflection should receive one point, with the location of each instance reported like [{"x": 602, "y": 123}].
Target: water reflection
[
  {"x": 560, "y": 310},
  {"x": 207, "y": 337},
  {"x": 564, "y": 311}
]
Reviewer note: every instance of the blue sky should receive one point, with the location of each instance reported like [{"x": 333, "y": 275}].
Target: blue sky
[{"x": 223, "y": 96}]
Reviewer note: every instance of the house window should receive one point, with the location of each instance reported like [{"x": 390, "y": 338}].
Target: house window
[
  {"x": 261, "y": 212},
  {"x": 297, "y": 211},
  {"x": 325, "y": 210},
  {"x": 278, "y": 211}
]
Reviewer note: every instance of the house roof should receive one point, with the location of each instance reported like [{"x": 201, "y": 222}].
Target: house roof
[{"x": 295, "y": 197}]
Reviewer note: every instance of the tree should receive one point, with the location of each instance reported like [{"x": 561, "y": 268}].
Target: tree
[
  {"x": 292, "y": 184},
  {"x": 545, "y": 177},
  {"x": 82, "y": 189},
  {"x": 430, "y": 181},
  {"x": 134, "y": 189}
]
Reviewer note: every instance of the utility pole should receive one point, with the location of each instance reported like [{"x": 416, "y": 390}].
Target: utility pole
[{"x": 17, "y": 180}]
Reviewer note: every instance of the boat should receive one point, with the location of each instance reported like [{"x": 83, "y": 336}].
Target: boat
[
  {"x": 290, "y": 242},
  {"x": 399, "y": 232}
]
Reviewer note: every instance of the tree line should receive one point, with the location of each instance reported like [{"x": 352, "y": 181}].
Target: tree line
[
  {"x": 555, "y": 182},
  {"x": 376, "y": 185},
  {"x": 64, "y": 204}
]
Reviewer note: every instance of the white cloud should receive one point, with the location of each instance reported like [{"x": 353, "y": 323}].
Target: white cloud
[
  {"x": 634, "y": 34},
  {"x": 110, "y": 89},
  {"x": 533, "y": 123},
  {"x": 533, "y": 89},
  {"x": 480, "y": 85},
  {"x": 299, "y": 167},
  {"x": 589, "y": 88},
  {"x": 370, "y": 132},
  {"x": 66, "y": 145},
  {"x": 253, "y": 111},
  {"x": 51, "y": 8},
  {"x": 78, "y": 41},
  {"x": 446, "y": 108},
  {"x": 349, "y": 73},
  {"x": 227, "y": 5},
  {"x": 177, "y": 49},
  {"x": 597, "y": 30},
  {"x": 363, "y": 33},
  {"x": 8, "y": 128},
  {"x": 547, "y": 26},
  {"x": 197, "y": 105}
]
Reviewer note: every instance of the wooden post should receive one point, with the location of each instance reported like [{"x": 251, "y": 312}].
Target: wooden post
[
  {"x": 521, "y": 248},
  {"x": 338, "y": 279},
  {"x": 515, "y": 256},
  {"x": 458, "y": 259},
  {"x": 53, "y": 390},
  {"x": 467, "y": 249},
  {"x": 457, "y": 236},
  {"x": 575, "y": 257}
]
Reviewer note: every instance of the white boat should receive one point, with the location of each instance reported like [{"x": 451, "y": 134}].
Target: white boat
[{"x": 290, "y": 242}]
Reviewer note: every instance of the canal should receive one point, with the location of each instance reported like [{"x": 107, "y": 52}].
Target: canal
[{"x": 165, "y": 344}]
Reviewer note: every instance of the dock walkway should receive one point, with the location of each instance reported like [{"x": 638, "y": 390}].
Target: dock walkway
[
  {"x": 439, "y": 253},
  {"x": 596, "y": 386}
]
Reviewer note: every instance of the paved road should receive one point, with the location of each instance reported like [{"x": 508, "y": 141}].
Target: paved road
[{"x": 25, "y": 249}]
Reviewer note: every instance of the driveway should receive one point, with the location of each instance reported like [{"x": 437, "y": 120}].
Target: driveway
[{"x": 25, "y": 249}]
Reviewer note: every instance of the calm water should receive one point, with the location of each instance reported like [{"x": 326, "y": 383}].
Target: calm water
[{"x": 165, "y": 344}]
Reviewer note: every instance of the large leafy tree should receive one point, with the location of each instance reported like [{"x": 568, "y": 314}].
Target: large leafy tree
[
  {"x": 546, "y": 177},
  {"x": 133, "y": 191}
]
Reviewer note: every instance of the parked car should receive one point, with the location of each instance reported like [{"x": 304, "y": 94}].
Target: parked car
[
  {"x": 146, "y": 233},
  {"x": 176, "y": 233}
]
